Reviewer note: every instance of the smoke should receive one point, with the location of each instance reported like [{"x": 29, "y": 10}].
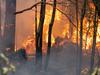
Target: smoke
[
  {"x": 24, "y": 21},
  {"x": 62, "y": 62}
]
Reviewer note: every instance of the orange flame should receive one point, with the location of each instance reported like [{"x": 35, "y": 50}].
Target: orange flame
[{"x": 29, "y": 44}]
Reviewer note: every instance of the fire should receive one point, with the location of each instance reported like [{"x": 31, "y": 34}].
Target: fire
[
  {"x": 65, "y": 32},
  {"x": 29, "y": 45},
  {"x": 62, "y": 31},
  {"x": 52, "y": 39}
]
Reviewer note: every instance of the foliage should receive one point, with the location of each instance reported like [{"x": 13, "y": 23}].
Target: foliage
[
  {"x": 4, "y": 70},
  {"x": 96, "y": 71}
]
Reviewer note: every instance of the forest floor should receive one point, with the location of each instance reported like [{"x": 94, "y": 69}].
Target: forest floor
[{"x": 63, "y": 61}]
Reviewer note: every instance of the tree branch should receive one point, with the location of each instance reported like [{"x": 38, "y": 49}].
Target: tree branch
[{"x": 30, "y": 8}]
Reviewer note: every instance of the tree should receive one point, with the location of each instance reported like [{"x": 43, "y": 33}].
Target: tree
[
  {"x": 81, "y": 36},
  {"x": 77, "y": 21},
  {"x": 94, "y": 43},
  {"x": 2, "y": 23},
  {"x": 0, "y": 18},
  {"x": 36, "y": 44},
  {"x": 97, "y": 4},
  {"x": 9, "y": 32},
  {"x": 39, "y": 33},
  {"x": 50, "y": 33}
]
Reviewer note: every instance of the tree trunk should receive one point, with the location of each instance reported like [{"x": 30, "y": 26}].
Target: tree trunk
[
  {"x": 36, "y": 26},
  {"x": 39, "y": 33},
  {"x": 81, "y": 35},
  {"x": 94, "y": 43},
  {"x": 0, "y": 18},
  {"x": 97, "y": 4},
  {"x": 2, "y": 23},
  {"x": 9, "y": 32},
  {"x": 50, "y": 33},
  {"x": 77, "y": 21}
]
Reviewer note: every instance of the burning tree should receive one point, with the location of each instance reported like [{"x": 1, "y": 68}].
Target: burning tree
[
  {"x": 40, "y": 32},
  {"x": 86, "y": 26},
  {"x": 97, "y": 14},
  {"x": 50, "y": 32}
]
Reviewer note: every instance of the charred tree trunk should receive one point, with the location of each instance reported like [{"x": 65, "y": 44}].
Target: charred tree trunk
[
  {"x": 81, "y": 36},
  {"x": 0, "y": 18},
  {"x": 36, "y": 27},
  {"x": 77, "y": 21},
  {"x": 70, "y": 29},
  {"x": 40, "y": 32},
  {"x": 2, "y": 23},
  {"x": 94, "y": 43},
  {"x": 50, "y": 33},
  {"x": 71, "y": 16},
  {"x": 9, "y": 32},
  {"x": 97, "y": 4}
]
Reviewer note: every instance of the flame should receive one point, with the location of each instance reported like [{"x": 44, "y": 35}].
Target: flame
[
  {"x": 52, "y": 39},
  {"x": 65, "y": 32},
  {"x": 29, "y": 44}
]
